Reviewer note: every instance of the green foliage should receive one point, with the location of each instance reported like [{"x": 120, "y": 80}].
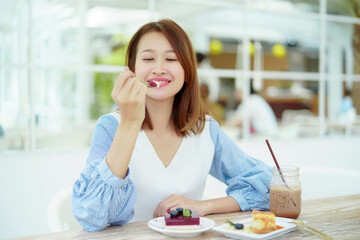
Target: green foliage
[{"x": 103, "y": 82}]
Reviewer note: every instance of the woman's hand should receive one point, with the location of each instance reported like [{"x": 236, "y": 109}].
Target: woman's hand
[
  {"x": 129, "y": 94},
  {"x": 176, "y": 200}
]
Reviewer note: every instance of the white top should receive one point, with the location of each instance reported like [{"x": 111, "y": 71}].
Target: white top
[
  {"x": 262, "y": 117},
  {"x": 180, "y": 179}
]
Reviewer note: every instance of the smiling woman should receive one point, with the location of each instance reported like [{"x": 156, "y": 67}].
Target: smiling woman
[
  {"x": 164, "y": 137},
  {"x": 177, "y": 53}
]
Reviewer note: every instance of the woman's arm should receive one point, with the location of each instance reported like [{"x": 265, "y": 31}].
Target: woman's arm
[
  {"x": 202, "y": 207},
  {"x": 220, "y": 205},
  {"x": 120, "y": 152},
  {"x": 99, "y": 197},
  {"x": 248, "y": 179},
  {"x": 129, "y": 95}
]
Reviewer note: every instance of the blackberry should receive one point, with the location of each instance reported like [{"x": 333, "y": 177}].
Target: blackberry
[
  {"x": 179, "y": 209},
  {"x": 174, "y": 213}
]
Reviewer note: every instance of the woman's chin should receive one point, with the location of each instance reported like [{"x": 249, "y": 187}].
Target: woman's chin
[{"x": 160, "y": 96}]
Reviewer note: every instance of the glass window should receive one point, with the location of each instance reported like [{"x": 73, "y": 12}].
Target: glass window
[
  {"x": 349, "y": 8},
  {"x": 15, "y": 109},
  {"x": 58, "y": 63}
]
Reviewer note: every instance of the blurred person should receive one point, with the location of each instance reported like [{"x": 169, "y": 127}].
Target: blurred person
[
  {"x": 154, "y": 154},
  {"x": 261, "y": 116},
  {"x": 214, "y": 108},
  {"x": 199, "y": 58},
  {"x": 347, "y": 112},
  {"x": 2, "y": 132},
  {"x": 206, "y": 76}
]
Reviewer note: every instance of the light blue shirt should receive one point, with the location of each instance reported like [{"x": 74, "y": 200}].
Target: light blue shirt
[{"x": 101, "y": 199}]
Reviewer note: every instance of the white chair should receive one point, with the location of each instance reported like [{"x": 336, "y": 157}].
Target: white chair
[{"x": 59, "y": 214}]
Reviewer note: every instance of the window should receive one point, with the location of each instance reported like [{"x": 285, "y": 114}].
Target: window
[{"x": 59, "y": 60}]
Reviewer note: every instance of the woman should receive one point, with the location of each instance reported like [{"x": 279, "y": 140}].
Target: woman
[
  {"x": 262, "y": 117},
  {"x": 155, "y": 154}
]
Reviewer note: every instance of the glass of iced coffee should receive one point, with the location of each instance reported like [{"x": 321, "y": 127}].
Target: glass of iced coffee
[{"x": 285, "y": 192}]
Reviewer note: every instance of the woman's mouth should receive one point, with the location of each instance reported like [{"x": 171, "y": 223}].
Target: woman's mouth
[{"x": 158, "y": 82}]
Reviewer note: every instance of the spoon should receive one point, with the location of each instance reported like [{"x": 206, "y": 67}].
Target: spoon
[{"x": 311, "y": 230}]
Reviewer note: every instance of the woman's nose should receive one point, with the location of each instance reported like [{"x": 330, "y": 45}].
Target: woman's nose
[{"x": 159, "y": 69}]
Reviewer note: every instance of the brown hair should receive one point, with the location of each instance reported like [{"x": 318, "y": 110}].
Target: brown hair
[{"x": 188, "y": 113}]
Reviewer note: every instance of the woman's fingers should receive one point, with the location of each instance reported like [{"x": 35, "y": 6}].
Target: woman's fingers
[
  {"x": 176, "y": 200},
  {"x": 129, "y": 94},
  {"x": 122, "y": 77},
  {"x": 170, "y": 203},
  {"x": 127, "y": 86}
]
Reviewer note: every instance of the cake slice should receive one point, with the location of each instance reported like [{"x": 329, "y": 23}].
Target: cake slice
[
  {"x": 182, "y": 219},
  {"x": 263, "y": 222}
]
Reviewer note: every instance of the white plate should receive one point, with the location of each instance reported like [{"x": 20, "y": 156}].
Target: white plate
[
  {"x": 158, "y": 224},
  {"x": 286, "y": 223}
]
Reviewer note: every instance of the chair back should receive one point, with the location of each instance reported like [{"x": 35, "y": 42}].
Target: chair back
[{"x": 59, "y": 213}]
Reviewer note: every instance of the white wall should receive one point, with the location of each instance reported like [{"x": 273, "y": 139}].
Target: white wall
[{"x": 29, "y": 179}]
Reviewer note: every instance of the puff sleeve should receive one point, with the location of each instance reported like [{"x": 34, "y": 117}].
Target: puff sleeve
[{"x": 100, "y": 198}]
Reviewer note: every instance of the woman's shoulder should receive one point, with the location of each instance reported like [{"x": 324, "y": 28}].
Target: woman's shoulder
[
  {"x": 211, "y": 120},
  {"x": 213, "y": 125},
  {"x": 109, "y": 120}
]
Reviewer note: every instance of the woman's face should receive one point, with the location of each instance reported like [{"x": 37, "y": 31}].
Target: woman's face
[{"x": 157, "y": 64}]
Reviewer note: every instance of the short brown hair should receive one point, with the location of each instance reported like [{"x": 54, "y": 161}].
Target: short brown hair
[{"x": 188, "y": 113}]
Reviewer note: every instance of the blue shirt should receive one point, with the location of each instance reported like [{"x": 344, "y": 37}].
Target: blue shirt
[{"x": 101, "y": 199}]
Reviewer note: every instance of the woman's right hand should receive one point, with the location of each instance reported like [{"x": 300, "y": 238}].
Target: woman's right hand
[{"x": 129, "y": 94}]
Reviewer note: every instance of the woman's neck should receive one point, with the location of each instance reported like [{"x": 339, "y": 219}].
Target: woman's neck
[{"x": 160, "y": 114}]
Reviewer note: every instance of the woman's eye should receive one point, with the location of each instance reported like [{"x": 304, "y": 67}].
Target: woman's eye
[
  {"x": 147, "y": 59},
  {"x": 172, "y": 59}
]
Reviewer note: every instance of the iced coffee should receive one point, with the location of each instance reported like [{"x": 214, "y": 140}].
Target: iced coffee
[
  {"x": 285, "y": 192},
  {"x": 285, "y": 202}
]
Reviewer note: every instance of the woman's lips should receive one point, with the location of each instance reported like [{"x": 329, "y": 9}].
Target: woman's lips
[{"x": 158, "y": 82}]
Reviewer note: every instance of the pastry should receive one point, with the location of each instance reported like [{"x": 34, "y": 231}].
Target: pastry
[
  {"x": 182, "y": 219},
  {"x": 263, "y": 222}
]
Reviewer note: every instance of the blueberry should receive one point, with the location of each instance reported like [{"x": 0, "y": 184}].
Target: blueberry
[
  {"x": 174, "y": 213},
  {"x": 239, "y": 225},
  {"x": 179, "y": 209}
]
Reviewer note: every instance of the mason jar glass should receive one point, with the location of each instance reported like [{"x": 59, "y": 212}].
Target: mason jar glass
[{"x": 285, "y": 192}]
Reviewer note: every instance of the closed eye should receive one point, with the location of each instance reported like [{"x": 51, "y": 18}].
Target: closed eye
[
  {"x": 171, "y": 59},
  {"x": 148, "y": 59}
]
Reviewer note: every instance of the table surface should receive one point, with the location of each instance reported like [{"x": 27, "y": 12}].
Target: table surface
[{"x": 338, "y": 217}]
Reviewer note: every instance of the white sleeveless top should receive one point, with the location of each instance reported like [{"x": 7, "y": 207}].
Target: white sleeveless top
[{"x": 185, "y": 175}]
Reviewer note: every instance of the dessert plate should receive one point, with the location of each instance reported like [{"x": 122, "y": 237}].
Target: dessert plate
[
  {"x": 287, "y": 224},
  {"x": 158, "y": 224}
]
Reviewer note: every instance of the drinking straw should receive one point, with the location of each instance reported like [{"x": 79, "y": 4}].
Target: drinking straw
[{"x": 278, "y": 167}]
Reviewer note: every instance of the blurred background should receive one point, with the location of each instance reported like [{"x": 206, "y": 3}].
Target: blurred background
[{"x": 59, "y": 61}]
